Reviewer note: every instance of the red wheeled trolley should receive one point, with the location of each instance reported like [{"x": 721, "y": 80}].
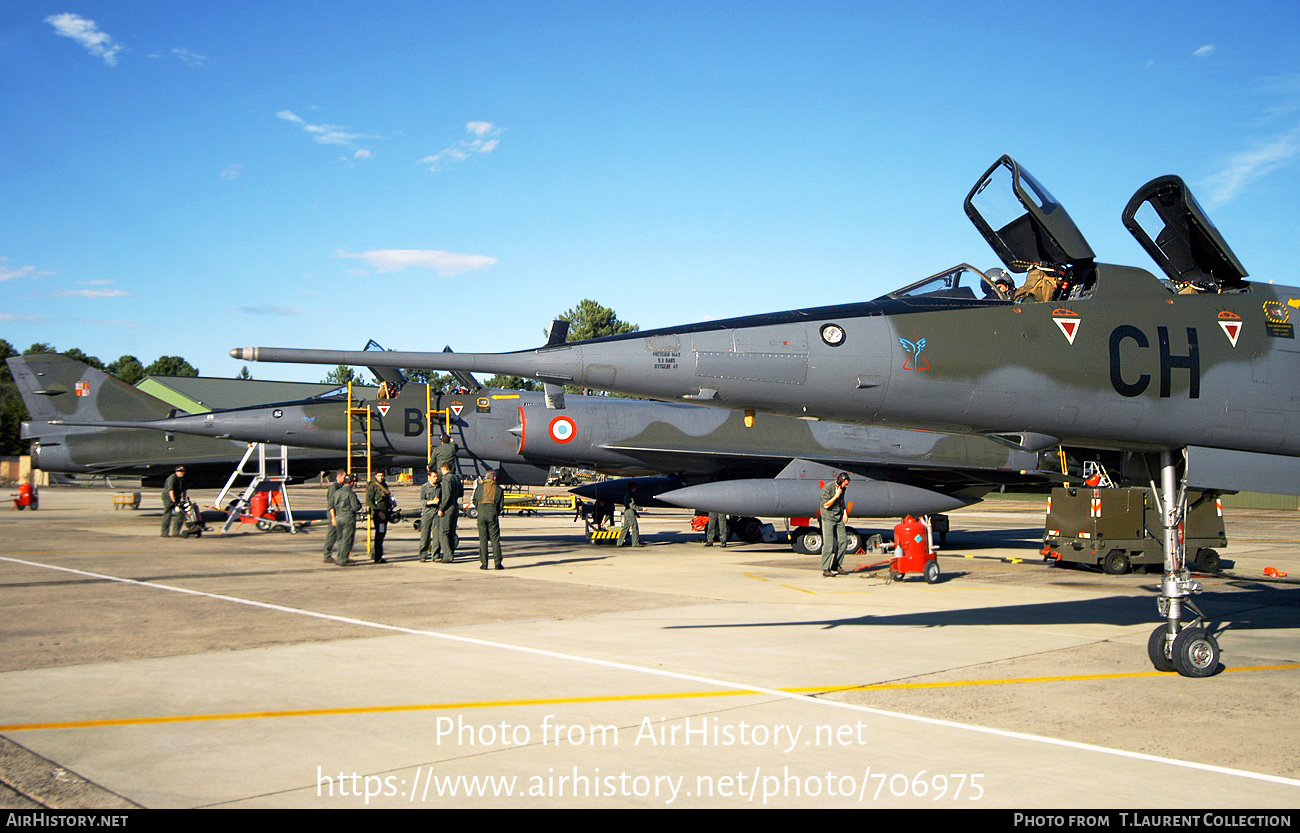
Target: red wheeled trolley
[{"x": 912, "y": 551}]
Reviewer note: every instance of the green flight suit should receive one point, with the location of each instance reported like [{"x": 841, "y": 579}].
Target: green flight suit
[
  {"x": 346, "y": 507},
  {"x": 449, "y": 507},
  {"x": 631, "y": 529},
  {"x": 835, "y": 539},
  {"x": 445, "y": 453},
  {"x": 430, "y": 495},
  {"x": 173, "y": 514},
  {"x": 331, "y": 531},
  {"x": 489, "y": 502}
]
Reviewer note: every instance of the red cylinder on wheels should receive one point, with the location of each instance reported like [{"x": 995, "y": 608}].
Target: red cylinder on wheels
[
  {"x": 257, "y": 505},
  {"x": 912, "y": 551}
]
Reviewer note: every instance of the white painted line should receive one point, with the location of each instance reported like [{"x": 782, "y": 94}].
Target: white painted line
[{"x": 657, "y": 672}]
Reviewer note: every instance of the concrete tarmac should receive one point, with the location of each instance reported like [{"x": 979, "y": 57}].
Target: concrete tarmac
[{"x": 240, "y": 671}]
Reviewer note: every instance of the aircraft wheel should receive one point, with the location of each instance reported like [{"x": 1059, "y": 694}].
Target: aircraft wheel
[
  {"x": 749, "y": 530},
  {"x": 1195, "y": 653},
  {"x": 1115, "y": 563},
  {"x": 932, "y": 572},
  {"x": 853, "y": 541},
  {"x": 471, "y": 513},
  {"x": 1206, "y": 559},
  {"x": 812, "y": 542},
  {"x": 1157, "y": 650}
]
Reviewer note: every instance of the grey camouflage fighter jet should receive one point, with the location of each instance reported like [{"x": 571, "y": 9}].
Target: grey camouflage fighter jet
[
  {"x": 710, "y": 455},
  {"x": 1193, "y": 373}
]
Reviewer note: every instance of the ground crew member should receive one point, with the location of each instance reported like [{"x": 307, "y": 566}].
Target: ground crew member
[
  {"x": 834, "y": 531},
  {"x": 489, "y": 501},
  {"x": 445, "y": 453},
  {"x": 343, "y": 516},
  {"x": 332, "y": 531},
  {"x": 172, "y": 494},
  {"x": 716, "y": 530},
  {"x": 630, "y": 530},
  {"x": 380, "y": 502},
  {"x": 448, "y": 512},
  {"x": 430, "y": 496}
]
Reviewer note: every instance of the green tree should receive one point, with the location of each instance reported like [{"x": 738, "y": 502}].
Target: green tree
[
  {"x": 12, "y": 410},
  {"x": 512, "y": 383},
  {"x": 591, "y": 320},
  {"x": 171, "y": 366},
  {"x": 243, "y": 373},
  {"x": 38, "y": 348},
  {"x": 341, "y": 375},
  {"x": 75, "y": 353},
  {"x": 7, "y": 351},
  {"x": 128, "y": 369}
]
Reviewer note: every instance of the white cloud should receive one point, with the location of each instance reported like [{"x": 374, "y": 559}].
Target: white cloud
[
  {"x": 1245, "y": 168},
  {"x": 485, "y": 140},
  {"x": 86, "y": 33},
  {"x": 446, "y": 263},
  {"x": 94, "y": 293},
  {"x": 7, "y": 272},
  {"x": 13, "y": 316},
  {"x": 232, "y": 171},
  {"x": 269, "y": 310},
  {"x": 1204, "y": 51},
  {"x": 361, "y": 154},
  {"x": 190, "y": 59},
  {"x": 324, "y": 134}
]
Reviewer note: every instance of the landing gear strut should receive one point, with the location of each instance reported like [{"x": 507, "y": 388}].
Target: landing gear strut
[{"x": 1186, "y": 647}]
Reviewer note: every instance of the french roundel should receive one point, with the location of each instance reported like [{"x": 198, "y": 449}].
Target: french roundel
[{"x": 562, "y": 429}]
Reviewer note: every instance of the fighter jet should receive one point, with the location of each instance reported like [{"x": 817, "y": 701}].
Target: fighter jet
[
  {"x": 715, "y": 461},
  {"x": 1194, "y": 372}
]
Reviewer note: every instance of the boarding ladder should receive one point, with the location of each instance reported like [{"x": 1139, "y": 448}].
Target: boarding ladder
[{"x": 239, "y": 507}]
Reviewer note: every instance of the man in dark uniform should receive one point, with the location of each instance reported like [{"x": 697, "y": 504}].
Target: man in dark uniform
[
  {"x": 448, "y": 512},
  {"x": 835, "y": 540},
  {"x": 380, "y": 502},
  {"x": 332, "y": 531},
  {"x": 430, "y": 497},
  {"x": 172, "y": 494},
  {"x": 716, "y": 530},
  {"x": 489, "y": 501},
  {"x": 343, "y": 515},
  {"x": 631, "y": 530},
  {"x": 445, "y": 452}
]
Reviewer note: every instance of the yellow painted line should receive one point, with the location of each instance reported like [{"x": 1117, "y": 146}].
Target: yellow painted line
[
  {"x": 604, "y": 698},
  {"x": 760, "y": 578},
  {"x": 800, "y": 589}
]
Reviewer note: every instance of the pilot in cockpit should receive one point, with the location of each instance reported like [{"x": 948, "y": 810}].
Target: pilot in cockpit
[{"x": 999, "y": 281}]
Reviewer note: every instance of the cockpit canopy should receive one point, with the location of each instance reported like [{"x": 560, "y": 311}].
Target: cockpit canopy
[
  {"x": 1022, "y": 221},
  {"x": 1169, "y": 223}
]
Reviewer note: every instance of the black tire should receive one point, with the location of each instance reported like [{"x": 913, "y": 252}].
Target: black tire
[
  {"x": 1115, "y": 563},
  {"x": 799, "y": 541},
  {"x": 265, "y": 526},
  {"x": 932, "y": 572},
  {"x": 853, "y": 541},
  {"x": 894, "y": 576},
  {"x": 749, "y": 530},
  {"x": 1195, "y": 653},
  {"x": 1206, "y": 559},
  {"x": 812, "y": 542},
  {"x": 1156, "y": 650},
  {"x": 471, "y": 513}
]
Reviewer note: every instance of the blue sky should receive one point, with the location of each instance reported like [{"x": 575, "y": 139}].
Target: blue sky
[{"x": 187, "y": 178}]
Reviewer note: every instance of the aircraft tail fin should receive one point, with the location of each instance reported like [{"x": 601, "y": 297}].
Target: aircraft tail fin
[{"x": 55, "y": 387}]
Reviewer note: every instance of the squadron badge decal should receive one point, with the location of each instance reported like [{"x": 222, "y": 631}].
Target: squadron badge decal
[
  {"x": 1068, "y": 322},
  {"x": 1230, "y": 323},
  {"x": 914, "y": 361}
]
